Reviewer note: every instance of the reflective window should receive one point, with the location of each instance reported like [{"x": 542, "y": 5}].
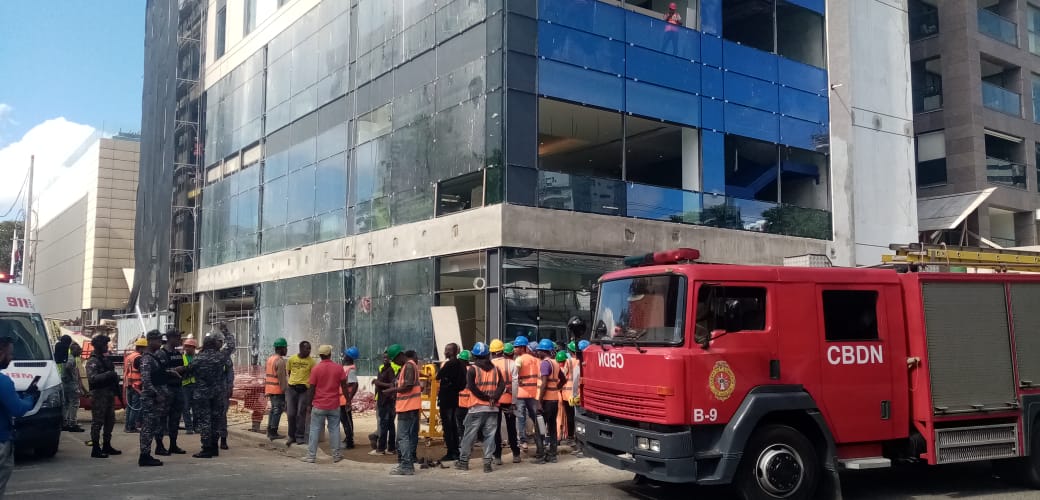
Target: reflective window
[
  {"x": 654, "y": 151},
  {"x": 752, "y": 169},
  {"x": 931, "y": 158},
  {"x": 926, "y": 77},
  {"x": 220, "y": 41},
  {"x": 579, "y": 139},
  {"x": 776, "y": 26}
]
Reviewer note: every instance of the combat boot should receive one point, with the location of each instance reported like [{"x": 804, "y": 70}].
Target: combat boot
[
  {"x": 109, "y": 450},
  {"x": 205, "y": 453},
  {"x": 223, "y": 443},
  {"x": 147, "y": 460},
  {"x": 96, "y": 452},
  {"x": 174, "y": 449},
  {"x": 161, "y": 450},
  {"x": 487, "y": 466},
  {"x": 213, "y": 447},
  {"x": 460, "y": 465}
]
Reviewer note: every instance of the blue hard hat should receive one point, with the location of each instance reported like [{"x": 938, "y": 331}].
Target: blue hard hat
[
  {"x": 546, "y": 345},
  {"x": 584, "y": 344},
  {"x": 479, "y": 349},
  {"x": 520, "y": 341},
  {"x": 352, "y": 353}
]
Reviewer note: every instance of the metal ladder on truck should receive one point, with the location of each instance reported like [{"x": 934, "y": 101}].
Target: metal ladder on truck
[{"x": 917, "y": 256}]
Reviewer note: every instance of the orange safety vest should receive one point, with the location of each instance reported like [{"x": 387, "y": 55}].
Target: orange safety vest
[
  {"x": 346, "y": 371},
  {"x": 550, "y": 392},
  {"x": 507, "y": 374},
  {"x": 487, "y": 382},
  {"x": 527, "y": 384},
  {"x": 568, "y": 371},
  {"x": 465, "y": 397},
  {"x": 271, "y": 385},
  {"x": 131, "y": 375},
  {"x": 409, "y": 400}
]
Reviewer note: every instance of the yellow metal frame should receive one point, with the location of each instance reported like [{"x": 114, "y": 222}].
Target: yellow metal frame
[
  {"x": 1002, "y": 260},
  {"x": 429, "y": 411}
]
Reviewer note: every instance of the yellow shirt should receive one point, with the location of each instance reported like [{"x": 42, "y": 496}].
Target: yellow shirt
[{"x": 299, "y": 369}]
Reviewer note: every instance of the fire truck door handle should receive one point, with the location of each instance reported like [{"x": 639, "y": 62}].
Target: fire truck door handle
[
  {"x": 774, "y": 369},
  {"x": 886, "y": 410}
]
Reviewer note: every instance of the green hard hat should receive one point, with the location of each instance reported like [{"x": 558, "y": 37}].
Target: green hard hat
[
  {"x": 464, "y": 355},
  {"x": 572, "y": 347},
  {"x": 561, "y": 356},
  {"x": 281, "y": 342},
  {"x": 393, "y": 351},
  {"x": 508, "y": 348}
]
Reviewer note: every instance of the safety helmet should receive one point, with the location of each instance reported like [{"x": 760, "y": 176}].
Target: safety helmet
[
  {"x": 572, "y": 346},
  {"x": 190, "y": 343},
  {"x": 464, "y": 355},
  {"x": 352, "y": 352},
  {"x": 281, "y": 342},
  {"x": 546, "y": 345},
  {"x": 520, "y": 341},
  {"x": 480, "y": 349},
  {"x": 584, "y": 344},
  {"x": 561, "y": 356},
  {"x": 141, "y": 342},
  {"x": 497, "y": 346},
  {"x": 508, "y": 348}
]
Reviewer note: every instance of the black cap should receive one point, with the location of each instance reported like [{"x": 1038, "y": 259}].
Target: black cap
[
  {"x": 100, "y": 340},
  {"x": 153, "y": 335},
  {"x": 173, "y": 332}
]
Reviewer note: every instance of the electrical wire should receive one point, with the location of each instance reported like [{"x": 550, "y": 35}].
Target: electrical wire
[{"x": 18, "y": 197}]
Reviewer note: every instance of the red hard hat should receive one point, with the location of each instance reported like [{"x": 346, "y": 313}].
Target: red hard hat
[
  {"x": 672, "y": 6},
  {"x": 191, "y": 343}
]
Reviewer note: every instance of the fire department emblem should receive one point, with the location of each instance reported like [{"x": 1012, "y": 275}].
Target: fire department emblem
[{"x": 722, "y": 381}]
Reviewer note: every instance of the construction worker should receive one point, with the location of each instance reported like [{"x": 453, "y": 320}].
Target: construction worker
[
  {"x": 464, "y": 395},
  {"x": 174, "y": 407},
  {"x": 386, "y": 434},
  {"x": 571, "y": 369},
  {"x": 346, "y": 400},
  {"x": 327, "y": 382},
  {"x": 153, "y": 395},
  {"x": 502, "y": 358},
  {"x": 298, "y": 367},
  {"x": 407, "y": 406},
  {"x": 548, "y": 397},
  {"x": 485, "y": 385},
  {"x": 104, "y": 383},
  {"x": 188, "y": 385},
  {"x": 527, "y": 370},
  {"x": 276, "y": 383},
  {"x": 575, "y": 397},
  {"x": 451, "y": 378},
  {"x": 132, "y": 384}
]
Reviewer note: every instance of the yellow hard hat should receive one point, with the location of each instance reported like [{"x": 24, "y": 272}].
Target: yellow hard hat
[
  {"x": 497, "y": 345},
  {"x": 141, "y": 342}
]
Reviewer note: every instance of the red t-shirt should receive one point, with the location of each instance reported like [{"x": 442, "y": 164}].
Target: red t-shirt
[{"x": 326, "y": 379}]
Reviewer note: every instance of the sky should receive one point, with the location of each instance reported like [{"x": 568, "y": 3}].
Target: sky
[{"x": 68, "y": 69}]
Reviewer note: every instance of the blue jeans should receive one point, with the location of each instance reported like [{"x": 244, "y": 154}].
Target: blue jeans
[
  {"x": 407, "y": 438},
  {"x": 521, "y": 421},
  {"x": 527, "y": 406},
  {"x": 387, "y": 435},
  {"x": 319, "y": 418},
  {"x": 483, "y": 422},
  {"x": 132, "y": 415}
]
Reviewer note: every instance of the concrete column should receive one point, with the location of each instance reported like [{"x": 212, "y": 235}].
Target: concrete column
[
  {"x": 691, "y": 159},
  {"x": 1025, "y": 228}
]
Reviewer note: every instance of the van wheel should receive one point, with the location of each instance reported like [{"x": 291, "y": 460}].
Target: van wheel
[
  {"x": 1030, "y": 466},
  {"x": 47, "y": 450},
  {"x": 779, "y": 462}
]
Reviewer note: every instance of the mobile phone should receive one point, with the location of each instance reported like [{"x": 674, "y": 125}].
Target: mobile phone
[{"x": 35, "y": 381}]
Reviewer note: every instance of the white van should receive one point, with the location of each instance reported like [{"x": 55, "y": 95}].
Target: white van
[{"x": 40, "y": 428}]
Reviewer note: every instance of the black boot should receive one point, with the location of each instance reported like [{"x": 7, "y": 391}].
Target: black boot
[
  {"x": 160, "y": 449},
  {"x": 147, "y": 460},
  {"x": 213, "y": 447},
  {"x": 96, "y": 452},
  {"x": 174, "y": 449},
  {"x": 223, "y": 443},
  {"x": 205, "y": 453},
  {"x": 109, "y": 450}
]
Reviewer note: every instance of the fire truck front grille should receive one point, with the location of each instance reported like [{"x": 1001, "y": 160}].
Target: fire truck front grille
[
  {"x": 636, "y": 407},
  {"x": 970, "y": 444}
]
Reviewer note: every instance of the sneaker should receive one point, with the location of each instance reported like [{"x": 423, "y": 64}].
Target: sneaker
[
  {"x": 539, "y": 460},
  {"x": 551, "y": 459},
  {"x": 516, "y": 459},
  {"x": 460, "y": 465},
  {"x": 398, "y": 471},
  {"x": 337, "y": 459},
  {"x": 498, "y": 461},
  {"x": 523, "y": 446},
  {"x": 487, "y": 468},
  {"x": 309, "y": 460},
  {"x": 376, "y": 452},
  {"x": 390, "y": 452}
]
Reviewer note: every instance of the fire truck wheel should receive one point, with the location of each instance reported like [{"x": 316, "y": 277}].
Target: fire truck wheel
[
  {"x": 779, "y": 462},
  {"x": 1031, "y": 464}
]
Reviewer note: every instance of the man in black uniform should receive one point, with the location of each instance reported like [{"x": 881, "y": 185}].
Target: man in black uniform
[
  {"x": 153, "y": 394},
  {"x": 104, "y": 385},
  {"x": 209, "y": 394},
  {"x": 170, "y": 420}
]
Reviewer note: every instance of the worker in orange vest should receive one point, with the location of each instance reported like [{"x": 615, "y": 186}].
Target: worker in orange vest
[
  {"x": 132, "y": 382},
  {"x": 346, "y": 414},
  {"x": 408, "y": 404},
  {"x": 548, "y": 397},
  {"x": 502, "y": 358},
  {"x": 571, "y": 370},
  {"x": 527, "y": 374},
  {"x": 276, "y": 382}
]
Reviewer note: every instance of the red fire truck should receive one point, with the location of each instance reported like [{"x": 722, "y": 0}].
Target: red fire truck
[{"x": 773, "y": 379}]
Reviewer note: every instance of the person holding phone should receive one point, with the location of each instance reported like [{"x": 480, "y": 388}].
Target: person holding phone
[{"x": 11, "y": 406}]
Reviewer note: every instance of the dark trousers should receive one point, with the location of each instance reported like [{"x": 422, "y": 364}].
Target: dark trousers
[
  {"x": 102, "y": 416},
  {"x": 550, "y": 411},
  {"x": 171, "y": 420},
  {"x": 569, "y": 410},
  {"x": 346, "y": 417},
  {"x": 450, "y": 424},
  {"x": 514, "y": 445},
  {"x": 298, "y": 410},
  {"x": 207, "y": 419},
  {"x": 460, "y": 424},
  {"x": 387, "y": 433}
]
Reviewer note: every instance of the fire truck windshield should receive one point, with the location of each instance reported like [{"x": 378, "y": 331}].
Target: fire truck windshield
[{"x": 645, "y": 310}]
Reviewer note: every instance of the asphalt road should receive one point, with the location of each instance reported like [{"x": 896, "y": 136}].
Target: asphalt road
[{"x": 254, "y": 470}]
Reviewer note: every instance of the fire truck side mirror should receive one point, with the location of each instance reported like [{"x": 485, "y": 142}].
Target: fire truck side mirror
[{"x": 706, "y": 342}]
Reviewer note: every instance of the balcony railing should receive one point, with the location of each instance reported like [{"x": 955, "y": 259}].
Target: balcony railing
[
  {"x": 1000, "y": 28},
  {"x": 639, "y": 201},
  {"x": 1001, "y": 99},
  {"x": 1007, "y": 173}
]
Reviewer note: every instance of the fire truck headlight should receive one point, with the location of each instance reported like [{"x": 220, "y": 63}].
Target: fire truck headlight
[
  {"x": 655, "y": 446},
  {"x": 642, "y": 443},
  {"x": 579, "y": 428}
]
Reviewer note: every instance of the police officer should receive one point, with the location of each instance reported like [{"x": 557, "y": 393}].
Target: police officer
[
  {"x": 169, "y": 421},
  {"x": 104, "y": 385},
  {"x": 226, "y": 344},
  {"x": 208, "y": 398},
  {"x": 153, "y": 397}
]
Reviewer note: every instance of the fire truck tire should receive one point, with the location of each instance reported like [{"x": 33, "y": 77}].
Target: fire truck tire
[
  {"x": 778, "y": 462},
  {"x": 47, "y": 450},
  {"x": 1031, "y": 465}
]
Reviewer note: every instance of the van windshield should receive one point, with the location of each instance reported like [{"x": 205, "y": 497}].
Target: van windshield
[
  {"x": 646, "y": 310},
  {"x": 29, "y": 334}
]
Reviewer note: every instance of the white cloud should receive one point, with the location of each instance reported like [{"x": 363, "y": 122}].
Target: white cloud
[
  {"x": 5, "y": 113},
  {"x": 55, "y": 185}
]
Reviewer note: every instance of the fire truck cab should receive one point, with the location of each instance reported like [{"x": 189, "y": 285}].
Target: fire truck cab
[{"x": 772, "y": 379}]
